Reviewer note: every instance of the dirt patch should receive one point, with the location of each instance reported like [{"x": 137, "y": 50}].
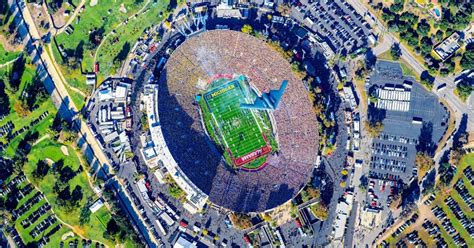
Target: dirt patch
[
  {"x": 123, "y": 9},
  {"x": 282, "y": 214},
  {"x": 9, "y": 45},
  {"x": 49, "y": 161},
  {"x": 65, "y": 150},
  {"x": 40, "y": 16}
]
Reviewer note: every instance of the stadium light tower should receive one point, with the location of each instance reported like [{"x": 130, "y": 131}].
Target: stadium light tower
[{"x": 268, "y": 101}]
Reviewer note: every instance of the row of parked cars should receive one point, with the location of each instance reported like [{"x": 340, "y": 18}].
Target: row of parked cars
[
  {"x": 463, "y": 219},
  {"x": 464, "y": 193},
  {"x": 407, "y": 223},
  {"x": 434, "y": 232},
  {"x": 443, "y": 218},
  {"x": 338, "y": 23}
]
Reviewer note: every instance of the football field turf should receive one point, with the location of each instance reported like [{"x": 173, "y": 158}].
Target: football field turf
[{"x": 238, "y": 127}]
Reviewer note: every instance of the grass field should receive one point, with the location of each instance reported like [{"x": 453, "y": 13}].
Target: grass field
[
  {"x": 115, "y": 35},
  {"x": 238, "y": 128},
  {"x": 152, "y": 15},
  {"x": 93, "y": 17},
  {"x": 6, "y": 56},
  {"x": 48, "y": 149},
  {"x": 55, "y": 239},
  {"x": 25, "y": 121}
]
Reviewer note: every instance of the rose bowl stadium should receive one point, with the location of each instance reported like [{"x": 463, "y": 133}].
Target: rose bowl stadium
[{"x": 245, "y": 160}]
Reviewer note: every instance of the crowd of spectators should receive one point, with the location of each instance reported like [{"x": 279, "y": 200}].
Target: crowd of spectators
[{"x": 230, "y": 52}]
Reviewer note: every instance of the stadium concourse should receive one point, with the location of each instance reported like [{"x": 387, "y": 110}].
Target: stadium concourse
[{"x": 230, "y": 52}]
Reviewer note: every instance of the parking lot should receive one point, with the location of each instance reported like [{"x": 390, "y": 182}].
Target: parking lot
[
  {"x": 337, "y": 23},
  {"x": 414, "y": 119}
]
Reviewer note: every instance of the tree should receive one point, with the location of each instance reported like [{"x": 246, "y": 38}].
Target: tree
[
  {"x": 284, "y": 9},
  {"x": 343, "y": 184},
  {"x": 320, "y": 211},
  {"x": 423, "y": 27},
  {"x": 464, "y": 89},
  {"x": 426, "y": 45},
  {"x": 114, "y": 231},
  {"x": 374, "y": 129},
  {"x": 144, "y": 122},
  {"x": 409, "y": 18},
  {"x": 66, "y": 174},
  {"x": 313, "y": 193},
  {"x": 34, "y": 93},
  {"x": 467, "y": 59},
  {"x": 122, "y": 55},
  {"x": 18, "y": 68},
  {"x": 175, "y": 191},
  {"x": 85, "y": 216},
  {"x": 64, "y": 196},
  {"x": 424, "y": 163},
  {"x": 247, "y": 29},
  {"x": 395, "y": 51},
  {"x": 4, "y": 100},
  {"x": 364, "y": 182},
  {"x": 41, "y": 170},
  {"x": 397, "y": 6},
  {"x": 76, "y": 195},
  {"x": 20, "y": 109},
  {"x": 241, "y": 221},
  {"x": 439, "y": 35}
]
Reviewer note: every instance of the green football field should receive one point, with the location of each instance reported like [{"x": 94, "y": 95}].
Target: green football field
[{"x": 238, "y": 127}]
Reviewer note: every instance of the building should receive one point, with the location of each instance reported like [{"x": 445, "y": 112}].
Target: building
[
  {"x": 91, "y": 79},
  {"x": 96, "y": 206},
  {"x": 395, "y": 98},
  {"x": 350, "y": 96},
  {"x": 226, "y": 11},
  {"x": 370, "y": 217},
  {"x": 343, "y": 211},
  {"x": 183, "y": 242},
  {"x": 448, "y": 47},
  {"x": 196, "y": 198}
]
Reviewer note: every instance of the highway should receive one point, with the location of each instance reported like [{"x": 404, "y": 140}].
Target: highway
[{"x": 69, "y": 111}]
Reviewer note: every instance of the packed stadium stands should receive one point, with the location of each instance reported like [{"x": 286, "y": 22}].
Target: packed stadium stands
[{"x": 231, "y": 52}]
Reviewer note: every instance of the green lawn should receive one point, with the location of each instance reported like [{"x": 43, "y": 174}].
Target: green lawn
[
  {"x": 25, "y": 121},
  {"x": 98, "y": 17},
  {"x": 25, "y": 232},
  {"x": 6, "y": 56},
  {"x": 52, "y": 150},
  {"x": 130, "y": 33}
]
